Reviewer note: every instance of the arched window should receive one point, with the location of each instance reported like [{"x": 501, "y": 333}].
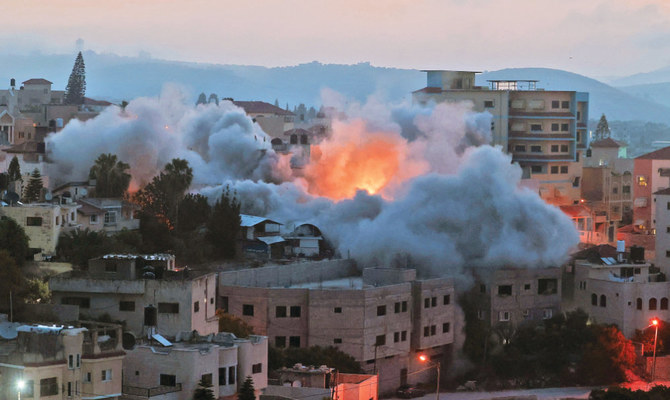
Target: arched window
[
  {"x": 594, "y": 299},
  {"x": 294, "y": 139},
  {"x": 652, "y": 303},
  {"x": 639, "y": 303},
  {"x": 276, "y": 142},
  {"x": 603, "y": 300},
  {"x": 303, "y": 139},
  {"x": 664, "y": 303}
]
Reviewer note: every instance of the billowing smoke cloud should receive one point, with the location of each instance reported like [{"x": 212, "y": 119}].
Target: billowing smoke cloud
[
  {"x": 220, "y": 142},
  {"x": 392, "y": 184}
]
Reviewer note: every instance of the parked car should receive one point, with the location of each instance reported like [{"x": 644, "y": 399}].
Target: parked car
[{"x": 410, "y": 392}]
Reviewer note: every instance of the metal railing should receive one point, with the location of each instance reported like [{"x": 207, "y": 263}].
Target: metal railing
[{"x": 150, "y": 392}]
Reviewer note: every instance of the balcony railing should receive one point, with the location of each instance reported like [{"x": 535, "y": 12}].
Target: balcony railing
[
  {"x": 541, "y": 135},
  {"x": 150, "y": 392}
]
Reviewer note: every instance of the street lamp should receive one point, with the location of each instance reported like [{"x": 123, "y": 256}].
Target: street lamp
[
  {"x": 19, "y": 386},
  {"x": 654, "y": 323},
  {"x": 436, "y": 364}
]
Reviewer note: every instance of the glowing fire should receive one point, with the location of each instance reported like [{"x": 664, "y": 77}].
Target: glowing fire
[{"x": 354, "y": 159}]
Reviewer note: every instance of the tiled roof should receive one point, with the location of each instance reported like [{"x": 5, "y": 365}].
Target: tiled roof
[
  {"x": 660, "y": 154},
  {"x": 298, "y": 131},
  {"x": 37, "y": 81},
  {"x": 663, "y": 191},
  {"x": 261, "y": 107},
  {"x": 608, "y": 142}
]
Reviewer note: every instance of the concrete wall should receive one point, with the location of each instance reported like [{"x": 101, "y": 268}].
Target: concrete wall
[
  {"x": 279, "y": 275},
  {"x": 431, "y": 309},
  {"x": 253, "y": 350}
]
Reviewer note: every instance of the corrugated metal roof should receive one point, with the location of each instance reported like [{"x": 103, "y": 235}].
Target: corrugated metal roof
[{"x": 252, "y": 220}]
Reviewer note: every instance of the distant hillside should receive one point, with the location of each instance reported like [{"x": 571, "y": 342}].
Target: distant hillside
[
  {"x": 613, "y": 102},
  {"x": 117, "y": 78},
  {"x": 656, "y": 92},
  {"x": 644, "y": 78}
]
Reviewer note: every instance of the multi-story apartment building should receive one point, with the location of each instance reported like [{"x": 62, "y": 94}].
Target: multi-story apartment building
[
  {"x": 173, "y": 372},
  {"x": 544, "y": 131},
  {"x": 651, "y": 174},
  {"x": 145, "y": 291},
  {"x": 61, "y": 362},
  {"x": 381, "y": 318},
  {"x": 43, "y": 223}
]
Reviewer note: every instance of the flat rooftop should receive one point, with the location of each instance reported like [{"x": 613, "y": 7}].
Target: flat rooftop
[{"x": 353, "y": 282}]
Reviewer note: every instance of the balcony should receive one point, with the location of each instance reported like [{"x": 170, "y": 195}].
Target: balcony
[
  {"x": 540, "y": 114},
  {"x": 150, "y": 392},
  {"x": 541, "y": 136},
  {"x": 542, "y": 157}
]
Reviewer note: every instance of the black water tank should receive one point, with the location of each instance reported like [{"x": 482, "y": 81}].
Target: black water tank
[
  {"x": 12, "y": 82},
  {"x": 637, "y": 254},
  {"x": 150, "y": 314}
]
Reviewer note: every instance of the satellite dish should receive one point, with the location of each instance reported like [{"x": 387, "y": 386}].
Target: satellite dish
[
  {"x": 48, "y": 196},
  {"x": 83, "y": 191}
]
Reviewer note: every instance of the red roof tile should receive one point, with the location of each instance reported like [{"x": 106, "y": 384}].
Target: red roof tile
[
  {"x": 37, "y": 81},
  {"x": 660, "y": 154},
  {"x": 608, "y": 142},
  {"x": 261, "y": 107}
]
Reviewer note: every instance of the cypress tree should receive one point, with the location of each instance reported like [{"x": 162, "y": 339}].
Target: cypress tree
[
  {"x": 34, "y": 188},
  {"x": 14, "y": 170},
  {"x": 247, "y": 391},
  {"x": 204, "y": 391},
  {"x": 603, "y": 129},
  {"x": 76, "y": 84}
]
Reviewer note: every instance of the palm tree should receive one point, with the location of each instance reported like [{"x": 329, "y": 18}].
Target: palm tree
[{"x": 111, "y": 178}]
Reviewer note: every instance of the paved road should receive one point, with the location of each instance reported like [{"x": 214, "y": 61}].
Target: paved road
[{"x": 539, "y": 394}]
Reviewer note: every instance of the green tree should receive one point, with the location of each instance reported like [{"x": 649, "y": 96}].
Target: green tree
[
  {"x": 606, "y": 359},
  {"x": 76, "y": 84},
  {"x": 11, "y": 280},
  {"x": 14, "y": 241},
  {"x": 202, "y": 99},
  {"x": 123, "y": 105},
  {"x": 232, "y": 324},
  {"x": 603, "y": 129},
  {"x": 78, "y": 246},
  {"x": 4, "y": 181},
  {"x": 247, "y": 391},
  {"x": 204, "y": 391},
  {"x": 161, "y": 197},
  {"x": 111, "y": 178},
  {"x": 33, "y": 190},
  {"x": 14, "y": 170},
  {"x": 194, "y": 211},
  {"x": 224, "y": 225},
  {"x": 37, "y": 291}
]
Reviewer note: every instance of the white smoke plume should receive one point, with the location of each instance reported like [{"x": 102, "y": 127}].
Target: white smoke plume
[{"x": 446, "y": 202}]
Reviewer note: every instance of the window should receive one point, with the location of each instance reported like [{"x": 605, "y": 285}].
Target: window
[
  {"x": 526, "y": 286},
  {"x": 547, "y": 286},
  {"x": 526, "y": 314},
  {"x": 93, "y": 219},
  {"x": 257, "y": 368},
  {"x": 536, "y": 169},
  {"x": 433, "y": 330},
  {"x": 34, "y": 221},
  {"x": 396, "y": 307},
  {"x": 294, "y": 341},
  {"x": 337, "y": 341},
  {"x": 280, "y": 341},
  {"x": 652, "y": 303},
  {"x": 224, "y": 303},
  {"x": 295, "y": 311},
  {"x": 446, "y": 299},
  {"x": 615, "y": 190},
  {"x": 555, "y": 127},
  {"x": 381, "y": 310},
  {"x": 426, "y": 302},
  {"x": 481, "y": 315},
  {"x": 520, "y": 148},
  {"x": 536, "y": 127},
  {"x": 337, "y": 310},
  {"x": 536, "y": 149},
  {"x": 106, "y": 375},
  {"x": 126, "y": 306},
  {"x": 433, "y": 301},
  {"x": 396, "y": 337},
  {"x": 625, "y": 189},
  {"x": 565, "y": 104},
  {"x": 488, "y": 104},
  {"x": 403, "y": 336},
  {"x": 482, "y": 288},
  {"x": 664, "y": 303},
  {"x": 564, "y": 148},
  {"x": 554, "y": 148},
  {"x": 78, "y": 364},
  {"x": 555, "y": 104},
  {"x": 82, "y": 302},
  {"x": 206, "y": 379},
  {"x": 504, "y": 316},
  {"x": 168, "y": 308},
  {"x": 87, "y": 377},
  {"x": 504, "y": 290},
  {"x": 168, "y": 380},
  {"x": 554, "y": 169},
  {"x": 222, "y": 376},
  {"x": 248, "y": 310},
  {"x": 280, "y": 312},
  {"x": 404, "y": 306},
  {"x": 110, "y": 217},
  {"x": 564, "y": 169},
  {"x": 57, "y": 220},
  {"x": 72, "y": 217},
  {"x": 380, "y": 340},
  {"x": 594, "y": 299},
  {"x": 426, "y": 331},
  {"x": 642, "y": 181},
  {"x": 603, "y": 300},
  {"x": 565, "y": 128},
  {"x": 70, "y": 361},
  {"x": 547, "y": 313},
  {"x": 48, "y": 387},
  {"x": 232, "y": 373},
  {"x": 196, "y": 306},
  {"x": 445, "y": 327}
]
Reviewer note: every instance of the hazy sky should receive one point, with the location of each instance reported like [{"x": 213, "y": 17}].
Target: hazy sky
[{"x": 595, "y": 37}]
